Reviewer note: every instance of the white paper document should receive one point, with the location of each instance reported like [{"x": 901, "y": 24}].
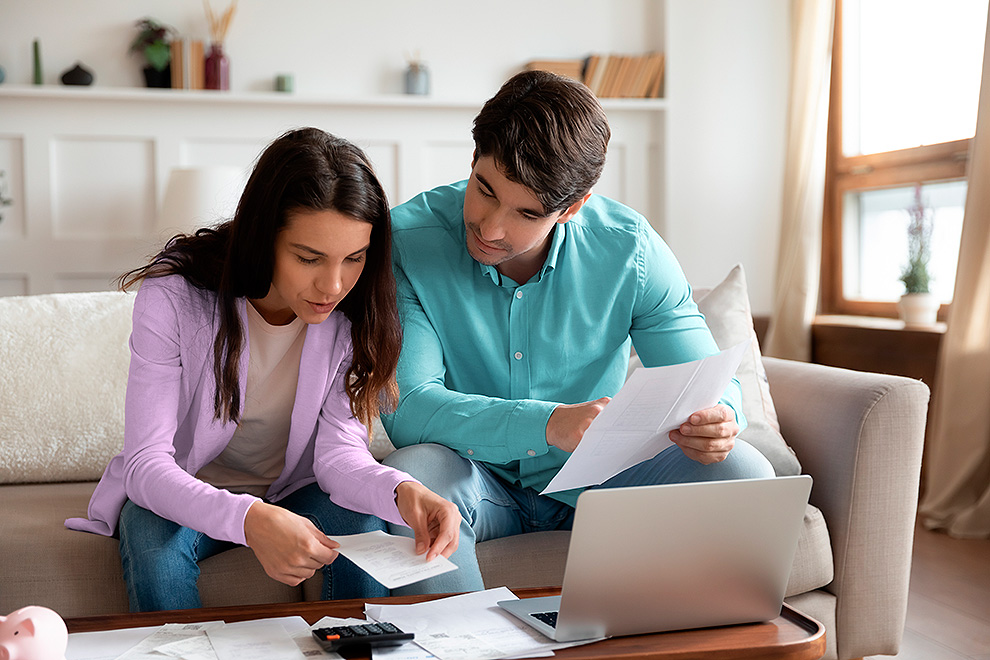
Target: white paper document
[
  {"x": 633, "y": 427},
  {"x": 191, "y": 634},
  {"x": 269, "y": 639},
  {"x": 467, "y": 627},
  {"x": 392, "y": 560},
  {"x": 254, "y": 640},
  {"x": 105, "y": 644}
]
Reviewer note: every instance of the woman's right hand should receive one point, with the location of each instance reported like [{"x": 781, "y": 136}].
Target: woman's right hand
[
  {"x": 289, "y": 547},
  {"x": 434, "y": 521}
]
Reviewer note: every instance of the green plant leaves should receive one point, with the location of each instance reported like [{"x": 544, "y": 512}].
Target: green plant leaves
[{"x": 158, "y": 55}]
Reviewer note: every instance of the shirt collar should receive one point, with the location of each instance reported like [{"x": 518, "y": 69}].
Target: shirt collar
[{"x": 559, "y": 233}]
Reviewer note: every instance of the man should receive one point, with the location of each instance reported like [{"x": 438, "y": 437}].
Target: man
[{"x": 520, "y": 292}]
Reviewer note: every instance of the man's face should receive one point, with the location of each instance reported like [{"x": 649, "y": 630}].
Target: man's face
[{"x": 505, "y": 222}]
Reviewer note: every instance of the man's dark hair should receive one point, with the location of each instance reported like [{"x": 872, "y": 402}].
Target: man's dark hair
[{"x": 548, "y": 133}]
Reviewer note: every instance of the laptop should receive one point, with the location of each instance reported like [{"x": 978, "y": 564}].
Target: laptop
[{"x": 648, "y": 559}]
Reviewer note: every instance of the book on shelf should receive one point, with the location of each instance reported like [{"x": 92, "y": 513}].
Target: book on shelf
[
  {"x": 654, "y": 83},
  {"x": 611, "y": 75},
  {"x": 607, "y": 78},
  {"x": 188, "y": 64},
  {"x": 176, "y": 64},
  {"x": 196, "y": 70},
  {"x": 569, "y": 68},
  {"x": 595, "y": 72},
  {"x": 625, "y": 76}
]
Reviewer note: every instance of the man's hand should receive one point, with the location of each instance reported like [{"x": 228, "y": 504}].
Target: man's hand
[
  {"x": 289, "y": 547},
  {"x": 708, "y": 436},
  {"x": 567, "y": 423},
  {"x": 435, "y": 521}
]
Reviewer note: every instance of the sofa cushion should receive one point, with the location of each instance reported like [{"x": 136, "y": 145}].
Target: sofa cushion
[
  {"x": 45, "y": 564},
  {"x": 727, "y": 312},
  {"x": 62, "y": 384},
  {"x": 812, "y": 567},
  {"x": 79, "y": 574},
  {"x": 535, "y": 559}
]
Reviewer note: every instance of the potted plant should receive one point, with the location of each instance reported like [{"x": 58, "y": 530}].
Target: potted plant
[
  {"x": 154, "y": 42},
  {"x": 918, "y": 306}
]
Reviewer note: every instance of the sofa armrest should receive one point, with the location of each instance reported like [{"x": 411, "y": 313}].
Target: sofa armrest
[{"x": 860, "y": 436}]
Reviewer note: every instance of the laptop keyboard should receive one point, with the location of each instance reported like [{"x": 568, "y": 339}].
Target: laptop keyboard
[{"x": 549, "y": 618}]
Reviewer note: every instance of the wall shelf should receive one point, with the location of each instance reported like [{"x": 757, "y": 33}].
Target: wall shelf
[{"x": 210, "y": 97}]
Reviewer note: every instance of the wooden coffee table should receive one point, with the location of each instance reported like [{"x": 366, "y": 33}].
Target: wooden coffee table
[{"x": 792, "y": 635}]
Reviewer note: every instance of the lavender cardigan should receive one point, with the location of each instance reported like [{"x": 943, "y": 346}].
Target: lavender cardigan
[{"x": 170, "y": 433}]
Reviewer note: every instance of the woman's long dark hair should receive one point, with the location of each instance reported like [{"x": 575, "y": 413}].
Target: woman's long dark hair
[{"x": 303, "y": 170}]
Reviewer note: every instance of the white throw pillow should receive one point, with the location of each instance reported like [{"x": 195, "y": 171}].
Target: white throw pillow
[
  {"x": 727, "y": 312},
  {"x": 64, "y": 367}
]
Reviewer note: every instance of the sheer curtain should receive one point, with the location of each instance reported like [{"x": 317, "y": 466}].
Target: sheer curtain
[
  {"x": 957, "y": 464},
  {"x": 799, "y": 249}
]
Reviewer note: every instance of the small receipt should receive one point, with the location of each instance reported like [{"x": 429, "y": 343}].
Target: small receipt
[{"x": 392, "y": 560}]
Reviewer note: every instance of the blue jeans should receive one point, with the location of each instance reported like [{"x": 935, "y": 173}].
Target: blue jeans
[
  {"x": 161, "y": 558},
  {"x": 491, "y": 508}
]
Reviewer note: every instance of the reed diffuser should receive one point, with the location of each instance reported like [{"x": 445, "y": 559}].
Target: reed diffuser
[{"x": 217, "y": 74}]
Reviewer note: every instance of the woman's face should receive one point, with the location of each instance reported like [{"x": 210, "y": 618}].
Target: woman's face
[{"x": 319, "y": 256}]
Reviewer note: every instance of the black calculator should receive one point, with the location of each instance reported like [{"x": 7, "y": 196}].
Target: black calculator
[{"x": 337, "y": 638}]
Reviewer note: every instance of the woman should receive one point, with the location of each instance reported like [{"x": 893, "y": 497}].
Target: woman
[{"x": 260, "y": 352}]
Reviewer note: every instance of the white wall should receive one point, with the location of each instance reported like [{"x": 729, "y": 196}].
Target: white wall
[
  {"x": 727, "y": 85},
  {"x": 718, "y": 173},
  {"x": 341, "y": 47}
]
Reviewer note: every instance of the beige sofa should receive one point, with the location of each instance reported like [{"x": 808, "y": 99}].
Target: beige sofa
[{"x": 63, "y": 365}]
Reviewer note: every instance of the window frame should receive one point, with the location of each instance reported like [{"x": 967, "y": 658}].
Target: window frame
[{"x": 940, "y": 162}]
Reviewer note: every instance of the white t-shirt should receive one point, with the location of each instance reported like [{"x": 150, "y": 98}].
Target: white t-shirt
[{"x": 255, "y": 455}]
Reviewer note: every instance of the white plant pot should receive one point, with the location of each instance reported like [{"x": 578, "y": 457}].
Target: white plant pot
[{"x": 918, "y": 308}]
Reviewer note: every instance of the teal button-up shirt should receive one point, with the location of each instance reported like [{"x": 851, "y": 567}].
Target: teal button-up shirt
[{"x": 485, "y": 360}]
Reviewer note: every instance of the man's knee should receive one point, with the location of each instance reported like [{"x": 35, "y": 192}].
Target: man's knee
[
  {"x": 744, "y": 462},
  {"x": 434, "y": 465},
  {"x": 748, "y": 462},
  {"x": 443, "y": 471},
  {"x": 672, "y": 466}
]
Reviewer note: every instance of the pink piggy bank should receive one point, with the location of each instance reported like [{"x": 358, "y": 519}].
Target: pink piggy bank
[{"x": 33, "y": 633}]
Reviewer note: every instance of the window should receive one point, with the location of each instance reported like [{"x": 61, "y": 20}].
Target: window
[{"x": 905, "y": 89}]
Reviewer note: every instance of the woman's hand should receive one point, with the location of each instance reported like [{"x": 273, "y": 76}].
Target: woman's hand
[
  {"x": 708, "y": 436},
  {"x": 289, "y": 547},
  {"x": 435, "y": 521}
]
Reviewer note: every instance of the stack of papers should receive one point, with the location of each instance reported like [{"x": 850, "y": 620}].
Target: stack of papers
[
  {"x": 466, "y": 627},
  {"x": 284, "y": 638}
]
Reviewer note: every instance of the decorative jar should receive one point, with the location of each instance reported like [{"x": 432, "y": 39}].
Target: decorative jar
[
  {"x": 217, "y": 68},
  {"x": 417, "y": 79}
]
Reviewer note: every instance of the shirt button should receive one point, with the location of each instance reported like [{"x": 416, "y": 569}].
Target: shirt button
[
  {"x": 531, "y": 452},
  {"x": 518, "y": 355},
  {"x": 470, "y": 452},
  {"x": 518, "y": 295}
]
